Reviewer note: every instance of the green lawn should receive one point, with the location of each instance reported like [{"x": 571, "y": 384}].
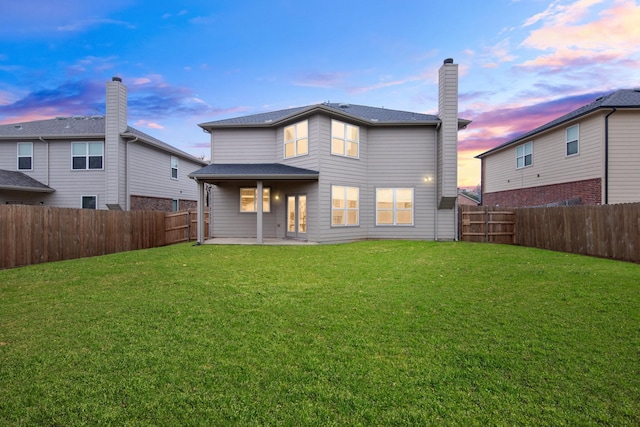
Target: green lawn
[{"x": 371, "y": 333}]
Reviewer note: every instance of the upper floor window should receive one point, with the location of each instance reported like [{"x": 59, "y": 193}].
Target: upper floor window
[
  {"x": 25, "y": 156},
  {"x": 345, "y": 206},
  {"x": 248, "y": 197},
  {"x": 524, "y": 155},
  {"x": 296, "y": 139},
  {"x": 174, "y": 167},
  {"x": 345, "y": 139},
  {"x": 394, "y": 206},
  {"x": 572, "y": 140},
  {"x": 87, "y": 155}
]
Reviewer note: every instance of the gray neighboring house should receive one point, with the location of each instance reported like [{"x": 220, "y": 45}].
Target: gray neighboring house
[
  {"x": 95, "y": 162},
  {"x": 589, "y": 156},
  {"x": 331, "y": 172}
]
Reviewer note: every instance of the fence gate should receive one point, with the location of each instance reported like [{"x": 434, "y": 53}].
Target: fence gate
[{"x": 487, "y": 224}]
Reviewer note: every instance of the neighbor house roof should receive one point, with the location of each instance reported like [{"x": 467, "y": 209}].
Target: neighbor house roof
[
  {"x": 371, "y": 116},
  {"x": 624, "y": 98},
  {"x": 237, "y": 171},
  {"x": 80, "y": 127},
  {"x": 11, "y": 180}
]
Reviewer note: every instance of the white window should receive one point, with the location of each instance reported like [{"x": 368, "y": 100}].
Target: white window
[
  {"x": 345, "y": 139},
  {"x": 89, "y": 202},
  {"x": 394, "y": 206},
  {"x": 25, "y": 156},
  {"x": 86, "y": 155},
  {"x": 174, "y": 167},
  {"x": 524, "y": 155},
  {"x": 572, "y": 140},
  {"x": 296, "y": 140},
  {"x": 174, "y": 205},
  {"x": 248, "y": 197},
  {"x": 345, "y": 206}
]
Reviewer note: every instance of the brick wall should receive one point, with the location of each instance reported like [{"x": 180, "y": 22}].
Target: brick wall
[
  {"x": 588, "y": 192},
  {"x": 144, "y": 203}
]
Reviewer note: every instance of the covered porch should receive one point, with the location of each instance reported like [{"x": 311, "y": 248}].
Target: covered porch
[{"x": 237, "y": 193}]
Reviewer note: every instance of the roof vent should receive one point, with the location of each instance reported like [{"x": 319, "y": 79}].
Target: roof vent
[
  {"x": 18, "y": 126},
  {"x": 116, "y": 79},
  {"x": 60, "y": 118},
  {"x": 448, "y": 61},
  {"x": 374, "y": 120},
  {"x": 268, "y": 121},
  {"x": 96, "y": 117},
  {"x": 343, "y": 105}
]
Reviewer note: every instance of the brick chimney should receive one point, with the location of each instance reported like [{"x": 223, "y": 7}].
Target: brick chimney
[
  {"x": 114, "y": 145},
  {"x": 448, "y": 135}
]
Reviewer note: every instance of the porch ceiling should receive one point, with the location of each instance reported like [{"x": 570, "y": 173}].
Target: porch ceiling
[{"x": 252, "y": 171}]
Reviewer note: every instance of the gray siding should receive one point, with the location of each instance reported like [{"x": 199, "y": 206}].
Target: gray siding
[
  {"x": 624, "y": 157},
  {"x": 150, "y": 174},
  {"x": 244, "y": 146}
]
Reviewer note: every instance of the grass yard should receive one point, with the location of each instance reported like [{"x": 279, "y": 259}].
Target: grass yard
[{"x": 372, "y": 333}]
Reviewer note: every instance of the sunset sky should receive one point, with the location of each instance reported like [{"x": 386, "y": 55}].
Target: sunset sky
[{"x": 522, "y": 62}]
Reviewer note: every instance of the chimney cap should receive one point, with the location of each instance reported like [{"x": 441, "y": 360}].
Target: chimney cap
[
  {"x": 116, "y": 79},
  {"x": 448, "y": 61}
]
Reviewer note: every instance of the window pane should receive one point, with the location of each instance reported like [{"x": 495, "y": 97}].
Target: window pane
[
  {"x": 95, "y": 149},
  {"x": 289, "y": 134},
  {"x": 572, "y": 148},
  {"x": 79, "y": 163},
  {"x": 337, "y": 197},
  {"x": 79, "y": 149},
  {"x": 289, "y": 149},
  {"x": 337, "y": 129},
  {"x": 88, "y": 202},
  {"x": 174, "y": 162},
  {"x": 174, "y": 173},
  {"x": 303, "y": 146},
  {"x": 247, "y": 197},
  {"x": 337, "y": 217},
  {"x": 352, "y": 197},
  {"x": 174, "y": 205},
  {"x": 352, "y": 149},
  {"x": 337, "y": 146},
  {"x": 404, "y": 217},
  {"x": 572, "y": 133},
  {"x": 352, "y": 133},
  {"x": 95, "y": 162},
  {"x": 266, "y": 206},
  {"x": 24, "y": 163},
  {"x": 352, "y": 217},
  {"x": 301, "y": 130},
  {"x": 384, "y": 197},
  {"x": 24, "y": 149},
  {"x": 527, "y": 160},
  {"x": 385, "y": 217},
  {"x": 404, "y": 198}
]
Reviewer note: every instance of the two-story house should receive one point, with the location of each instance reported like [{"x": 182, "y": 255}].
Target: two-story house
[
  {"x": 589, "y": 156},
  {"x": 95, "y": 162},
  {"x": 336, "y": 172}
]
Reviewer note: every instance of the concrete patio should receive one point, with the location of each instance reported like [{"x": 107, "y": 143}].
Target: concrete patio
[{"x": 254, "y": 241}]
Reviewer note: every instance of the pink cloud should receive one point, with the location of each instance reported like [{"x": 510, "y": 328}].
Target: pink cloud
[{"x": 148, "y": 124}]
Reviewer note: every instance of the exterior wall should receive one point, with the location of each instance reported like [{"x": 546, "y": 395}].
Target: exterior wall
[
  {"x": 144, "y": 203},
  {"x": 244, "y": 146},
  {"x": 587, "y": 192},
  {"x": 550, "y": 164},
  {"x": 414, "y": 149},
  {"x": 228, "y": 221},
  {"x": 114, "y": 147},
  {"x": 624, "y": 157},
  {"x": 150, "y": 174}
]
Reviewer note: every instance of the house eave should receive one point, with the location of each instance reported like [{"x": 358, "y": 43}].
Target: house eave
[
  {"x": 253, "y": 177},
  {"x": 26, "y": 189}
]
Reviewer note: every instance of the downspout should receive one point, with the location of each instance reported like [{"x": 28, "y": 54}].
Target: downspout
[
  {"x": 436, "y": 183},
  {"x": 606, "y": 155},
  {"x": 126, "y": 172},
  {"x": 47, "y": 159}
]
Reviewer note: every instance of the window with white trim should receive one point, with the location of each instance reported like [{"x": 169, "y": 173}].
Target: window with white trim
[
  {"x": 25, "y": 156},
  {"x": 296, "y": 140},
  {"x": 345, "y": 206},
  {"x": 248, "y": 197},
  {"x": 87, "y": 155},
  {"x": 345, "y": 139},
  {"x": 174, "y": 205},
  {"x": 174, "y": 167},
  {"x": 572, "y": 140},
  {"x": 394, "y": 206},
  {"x": 524, "y": 155},
  {"x": 89, "y": 202}
]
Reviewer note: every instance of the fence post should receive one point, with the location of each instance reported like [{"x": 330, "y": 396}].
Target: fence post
[
  {"x": 189, "y": 226},
  {"x": 486, "y": 223}
]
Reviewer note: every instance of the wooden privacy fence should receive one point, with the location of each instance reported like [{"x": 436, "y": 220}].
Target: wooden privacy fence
[
  {"x": 486, "y": 224},
  {"x": 37, "y": 234},
  {"x": 608, "y": 231}
]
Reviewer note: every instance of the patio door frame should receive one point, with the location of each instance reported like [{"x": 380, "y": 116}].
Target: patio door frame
[{"x": 299, "y": 213}]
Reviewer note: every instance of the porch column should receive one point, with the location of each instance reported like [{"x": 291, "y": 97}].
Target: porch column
[
  {"x": 200, "y": 211},
  {"x": 259, "y": 197}
]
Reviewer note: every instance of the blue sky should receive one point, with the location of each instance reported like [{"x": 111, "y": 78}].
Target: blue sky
[{"x": 522, "y": 62}]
